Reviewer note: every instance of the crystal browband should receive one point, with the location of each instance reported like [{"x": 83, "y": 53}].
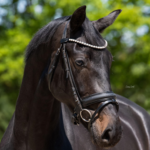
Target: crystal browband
[{"x": 65, "y": 40}]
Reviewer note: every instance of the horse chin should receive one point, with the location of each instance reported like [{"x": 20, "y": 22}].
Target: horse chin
[
  {"x": 101, "y": 144},
  {"x": 97, "y": 140}
]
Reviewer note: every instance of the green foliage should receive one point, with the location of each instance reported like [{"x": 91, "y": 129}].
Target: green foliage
[{"x": 128, "y": 40}]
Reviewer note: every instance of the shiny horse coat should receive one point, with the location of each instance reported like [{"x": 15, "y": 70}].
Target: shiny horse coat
[
  {"x": 42, "y": 118},
  {"x": 136, "y": 131},
  {"x": 136, "y": 128}
]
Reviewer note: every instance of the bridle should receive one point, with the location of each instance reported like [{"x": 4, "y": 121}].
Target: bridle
[{"x": 81, "y": 103}]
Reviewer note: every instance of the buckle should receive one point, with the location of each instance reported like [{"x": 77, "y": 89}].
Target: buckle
[{"x": 75, "y": 119}]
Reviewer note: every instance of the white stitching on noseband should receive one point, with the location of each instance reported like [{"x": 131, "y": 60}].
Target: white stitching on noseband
[{"x": 89, "y": 45}]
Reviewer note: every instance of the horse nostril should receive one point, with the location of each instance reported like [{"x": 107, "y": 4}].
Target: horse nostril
[{"x": 106, "y": 135}]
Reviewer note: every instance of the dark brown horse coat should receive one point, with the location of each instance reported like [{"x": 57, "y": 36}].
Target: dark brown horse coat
[
  {"x": 42, "y": 122},
  {"x": 135, "y": 122}
]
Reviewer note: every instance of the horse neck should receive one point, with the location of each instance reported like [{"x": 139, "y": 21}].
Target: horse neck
[{"x": 37, "y": 111}]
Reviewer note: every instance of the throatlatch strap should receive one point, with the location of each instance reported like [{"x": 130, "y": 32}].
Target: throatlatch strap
[{"x": 53, "y": 67}]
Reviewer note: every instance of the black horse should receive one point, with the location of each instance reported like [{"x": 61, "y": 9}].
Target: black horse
[{"x": 43, "y": 115}]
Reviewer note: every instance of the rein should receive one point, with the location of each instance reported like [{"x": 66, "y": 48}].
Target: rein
[{"x": 81, "y": 104}]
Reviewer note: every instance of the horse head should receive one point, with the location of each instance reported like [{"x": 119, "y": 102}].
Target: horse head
[{"x": 90, "y": 70}]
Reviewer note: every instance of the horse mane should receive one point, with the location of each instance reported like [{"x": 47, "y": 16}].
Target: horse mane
[{"x": 44, "y": 35}]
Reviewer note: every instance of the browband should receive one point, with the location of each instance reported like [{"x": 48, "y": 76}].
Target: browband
[{"x": 65, "y": 40}]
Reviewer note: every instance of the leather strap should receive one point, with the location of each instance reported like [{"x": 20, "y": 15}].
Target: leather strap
[
  {"x": 97, "y": 98},
  {"x": 100, "y": 108},
  {"x": 53, "y": 67}
]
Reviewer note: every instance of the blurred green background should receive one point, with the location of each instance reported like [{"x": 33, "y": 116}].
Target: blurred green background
[{"x": 128, "y": 38}]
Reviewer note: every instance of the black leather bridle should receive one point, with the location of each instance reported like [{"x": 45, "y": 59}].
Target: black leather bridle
[{"x": 81, "y": 104}]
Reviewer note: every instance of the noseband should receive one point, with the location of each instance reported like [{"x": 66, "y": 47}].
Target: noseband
[{"x": 81, "y": 103}]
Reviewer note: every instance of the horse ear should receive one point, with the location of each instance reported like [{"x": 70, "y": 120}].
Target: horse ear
[
  {"x": 77, "y": 18},
  {"x": 103, "y": 23}
]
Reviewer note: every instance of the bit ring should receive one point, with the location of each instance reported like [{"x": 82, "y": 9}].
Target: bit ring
[{"x": 88, "y": 113}]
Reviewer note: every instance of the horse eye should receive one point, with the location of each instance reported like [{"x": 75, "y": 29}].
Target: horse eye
[{"x": 79, "y": 62}]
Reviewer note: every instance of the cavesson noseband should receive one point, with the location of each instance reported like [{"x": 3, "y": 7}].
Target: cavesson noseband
[{"x": 81, "y": 103}]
